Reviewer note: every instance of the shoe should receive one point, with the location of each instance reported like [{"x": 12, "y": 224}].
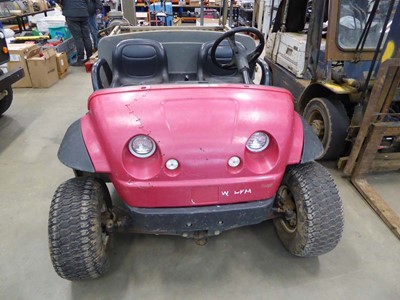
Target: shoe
[{"x": 78, "y": 63}]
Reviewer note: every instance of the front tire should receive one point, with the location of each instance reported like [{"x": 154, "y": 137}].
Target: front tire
[
  {"x": 78, "y": 241},
  {"x": 329, "y": 121},
  {"x": 312, "y": 221}
]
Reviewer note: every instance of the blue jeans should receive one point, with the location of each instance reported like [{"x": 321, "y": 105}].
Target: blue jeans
[{"x": 93, "y": 30}]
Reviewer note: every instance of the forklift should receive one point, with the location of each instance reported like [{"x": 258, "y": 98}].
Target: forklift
[
  {"x": 7, "y": 79},
  {"x": 327, "y": 53}
]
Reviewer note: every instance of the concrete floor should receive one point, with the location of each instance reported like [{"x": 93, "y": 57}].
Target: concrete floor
[{"x": 247, "y": 263}]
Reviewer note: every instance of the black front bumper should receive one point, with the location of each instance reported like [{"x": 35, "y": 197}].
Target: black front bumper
[
  {"x": 187, "y": 221},
  {"x": 7, "y": 79}
]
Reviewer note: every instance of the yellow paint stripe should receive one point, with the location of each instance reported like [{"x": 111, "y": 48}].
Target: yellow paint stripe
[
  {"x": 339, "y": 89},
  {"x": 388, "y": 51}
]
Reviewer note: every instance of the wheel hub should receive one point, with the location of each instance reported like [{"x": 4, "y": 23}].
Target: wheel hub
[
  {"x": 318, "y": 127},
  {"x": 287, "y": 206},
  {"x": 3, "y": 94},
  {"x": 107, "y": 220}
]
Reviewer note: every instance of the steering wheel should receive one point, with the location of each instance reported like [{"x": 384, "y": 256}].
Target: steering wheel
[{"x": 241, "y": 58}]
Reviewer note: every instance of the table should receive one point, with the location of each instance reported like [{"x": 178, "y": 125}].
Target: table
[
  {"x": 20, "y": 18},
  {"x": 2, "y": 19}
]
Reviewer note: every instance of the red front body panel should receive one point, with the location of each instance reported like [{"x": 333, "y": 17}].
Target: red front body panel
[{"x": 201, "y": 126}]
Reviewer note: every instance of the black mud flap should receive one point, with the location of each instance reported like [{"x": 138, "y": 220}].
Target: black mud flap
[
  {"x": 73, "y": 152},
  {"x": 312, "y": 146},
  {"x": 7, "y": 79}
]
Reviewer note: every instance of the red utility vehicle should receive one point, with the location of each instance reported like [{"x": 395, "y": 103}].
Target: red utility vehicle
[{"x": 192, "y": 147}]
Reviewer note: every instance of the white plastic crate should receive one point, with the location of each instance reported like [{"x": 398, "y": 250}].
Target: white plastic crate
[{"x": 44, "y": 24}]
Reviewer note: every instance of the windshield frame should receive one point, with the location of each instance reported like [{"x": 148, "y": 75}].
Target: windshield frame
[{"x": 333, "y": 50}]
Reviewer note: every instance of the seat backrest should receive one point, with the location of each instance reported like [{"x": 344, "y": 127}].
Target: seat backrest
[
  {"x": 208, "y": 71},
  {"x": 139, "y": 61}
]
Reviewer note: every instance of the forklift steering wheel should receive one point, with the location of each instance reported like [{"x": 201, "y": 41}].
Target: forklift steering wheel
[{"x": 241, "y": 59}]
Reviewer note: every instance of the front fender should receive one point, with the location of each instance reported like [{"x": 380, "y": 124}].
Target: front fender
[
  {"x": 312, "y": 146},
  {"x": 73, "y": 152},
  {"x": 323, "y": 89}
]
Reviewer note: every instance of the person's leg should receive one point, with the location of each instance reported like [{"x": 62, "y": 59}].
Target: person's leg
[
  {"x": 75, "y": 29},
  {"x": 86, "y": 37},
  {"x": 93, "y": 30}
]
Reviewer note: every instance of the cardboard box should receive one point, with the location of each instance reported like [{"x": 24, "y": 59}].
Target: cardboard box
[
  {"x": 19, "y": 53},
  {"x": 208, "y": 22},
  {"x": 216, "y": 3},
  {"x": 41, "y": 4},
  {"x": 43, "y": 69},
  {"x": 142, "y": 16},
  {"x": 62, "y": 64},
  {"x": 30, "y": 6}
]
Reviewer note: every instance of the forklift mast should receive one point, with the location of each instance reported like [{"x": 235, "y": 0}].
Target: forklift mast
[{"x": 314, "y": 37}]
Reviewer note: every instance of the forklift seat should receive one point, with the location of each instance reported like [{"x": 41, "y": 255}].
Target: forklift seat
[
  {"x": 139, "y": 61},
  {"x": 208, "y": 71}
]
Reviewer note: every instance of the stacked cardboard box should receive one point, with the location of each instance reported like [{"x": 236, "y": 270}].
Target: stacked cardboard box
[
  {"x": 41, "y": 4},
  {"x": 42, "y": 67},
  {"x": 67, "y": 46},
  {"x": 19, "y": 53},
  {"x": 62, "y": 64}
]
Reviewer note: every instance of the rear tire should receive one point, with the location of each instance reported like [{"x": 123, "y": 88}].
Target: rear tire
[
  {"x": 329, "y": 121},
  {"x": 5, "y": 103},
  {"x": 313, "y": 222},
  {"x": 78, "y": 241}
]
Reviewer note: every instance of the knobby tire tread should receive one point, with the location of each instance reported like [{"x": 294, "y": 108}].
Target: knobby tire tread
[
  {"x": 75, "y": 242},
  {"x": 319, "y": 211}
]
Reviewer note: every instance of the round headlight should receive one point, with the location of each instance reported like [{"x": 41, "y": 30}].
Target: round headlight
[
  {"x": 257, "y": 142},
  {"x": 142, "y": 146}
]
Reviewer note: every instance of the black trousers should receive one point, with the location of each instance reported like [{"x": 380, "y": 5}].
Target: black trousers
[{"x": 79, "y": 27}]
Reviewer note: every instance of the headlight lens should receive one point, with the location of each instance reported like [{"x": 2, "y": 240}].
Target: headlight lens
[
  {"x": 257, "y": 142},
  {"x": 142, "y": 146}
]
